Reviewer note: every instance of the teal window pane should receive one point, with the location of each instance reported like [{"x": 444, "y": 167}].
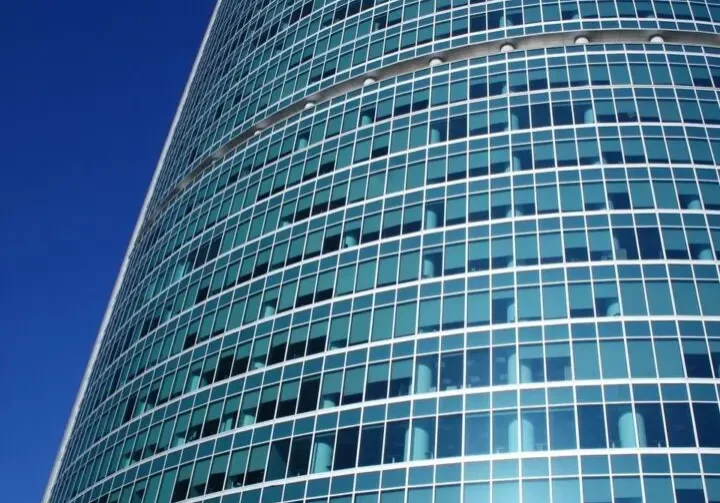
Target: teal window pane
[
  {"x": 612, "y": 355},
  {"x": 447, "y": 493},
  {"x": 429, "y": 315},
  {"x": 478, "y": 255},
  {"x": 236, "y": 469},
  {"x": 360, "y": 328},
  {"x": 642, "y": 360},
  {"x": 526, "y": 250},
  {"x": 554, "y": 303},
  {"x": 633, "y": 298},
  {"x": 409, "y": 266},
  {"x": 477, "y": 433},
  {"x": 339, "y": 332},
  {"x": 454, "y": 259},
  {"x": 332, "y": 384},
  {"x": 551, "y": 251},
  {"x": 566, "y": 490},
  {"x": 658, "y": 489},
  {"x": 382, "y": 323},
  {"x": 345, "y": 280},
  {"x": 685, "y": 298},
  {"x": 659, "y": 298},
  {"x": 536, "y": 491},
  {"x": 453, "y": 312},
  {"x": 561, "y": 422},
  {"x": 387, "y": 270},
  {"x": 528, "y": 303},
  {"x": 506, "y": 492},
  {"x": 474, "y": 492},
  {"x": 712, "y": 485},
  {"x": 166, "y": 486},
  {"x": 709, "y": 298},
  {"x": 581, "y": 302},
  {"x": 353, "y": 385},
  {"x": 669, "y": 359},
  {"x": 585, "y": 359},
  {"x": 596, "y": 490},
  {"x": 423, "y": 495},
  {"x": 377, "y": 381},
  {"x": 405, "y": 320},
  {"x": 365, "y": 276}
]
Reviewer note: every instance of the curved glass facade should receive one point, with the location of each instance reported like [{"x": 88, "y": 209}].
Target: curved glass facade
[{"x": 422, "y": 252}]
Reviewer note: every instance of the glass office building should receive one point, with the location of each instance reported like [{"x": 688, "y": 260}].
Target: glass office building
[{"x": 422, "y": 251}]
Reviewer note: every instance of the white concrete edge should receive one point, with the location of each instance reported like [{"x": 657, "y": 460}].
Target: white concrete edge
[{"x": 123, "y": 268}]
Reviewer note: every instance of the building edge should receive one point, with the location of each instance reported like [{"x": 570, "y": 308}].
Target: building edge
[{"x": 124, "y": 264}]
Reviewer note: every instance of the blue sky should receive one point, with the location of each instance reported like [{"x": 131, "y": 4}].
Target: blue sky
[{"x": 88, "y": 90}]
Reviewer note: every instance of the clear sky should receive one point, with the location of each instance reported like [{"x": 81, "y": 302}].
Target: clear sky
[{"x": 88, "y": 90}]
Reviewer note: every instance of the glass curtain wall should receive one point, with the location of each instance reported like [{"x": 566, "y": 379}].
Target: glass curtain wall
[{"x": 423, "y": 251}]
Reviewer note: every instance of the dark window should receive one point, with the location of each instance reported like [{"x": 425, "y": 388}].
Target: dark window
[
  {"x": 679, "y": 425},
  {"x": 371, "y": 442},
  {"x": 377, "y": 382},
  {"x": 562, "y": 428},
  {"x": 346, "y": 448},
  {"x": 277, "y": 464},
  {"x": 626, "y": 247},
  {"x": 299, "y": 456},
  {"x": 650, "y": 245},
  {"x": 654, "y": 428},
  {"x": 309, "y": 391},
  {"x": 449, "y": 436},
  {"x": 477, "y": 434},
  {"x": 395, "y": 442},
  {"x": 592, "y": 427},
  {"x": 562, "y": 114},
  {"x": 707, "y": 419},
  {"x": 458, "y": 127},
  {"x": 478, "y": 368},
  {"x": 540, "y": 115}
]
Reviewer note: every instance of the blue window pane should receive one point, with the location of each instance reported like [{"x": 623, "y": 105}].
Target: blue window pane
[
  {"x": 477, "y": 434},
  {"x": 642, "y": 361},
  {"x": 669, "y": 359},
  {"x": 612, "y": 354},
  {"x": 559, "y": 367},
  {"x": 581, "y": 301},
  {"x": 585, "y": 356},
  {"x": 592, "y": 427},
  {"x": 478, "y": 309},
  {"x": 650, "y": 425},
  {"x": 473, "y": 492},
  {"x": 447, "y": 493},
  {"x": 658, "y": 489},
  {"x": 554, "y": 304},
  {"x": 528, "y": 303},
  {"x": 596, "y": 490},
  {"x": 685, "y": 298},
  {"x": 536, "y": 491},
  {"x": 707, "y": 418},
  {"x": 633, "y": 298},
  {"x": 697, "y": 360},
  {"x": 562, "y": 428},
  {"x": 627, "y": 489},
  {"x": 506, "y": 492},
  {"x": 709, "y": 296},
  {"x": 566, "y": 490},
  {"x": 712, "y": 485},
  {"x": 679, "y": 425},
  {"x": 449, "y": 436},
  {"x": 689, "y": 490},
  {"x": 424, "y": 495}
]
